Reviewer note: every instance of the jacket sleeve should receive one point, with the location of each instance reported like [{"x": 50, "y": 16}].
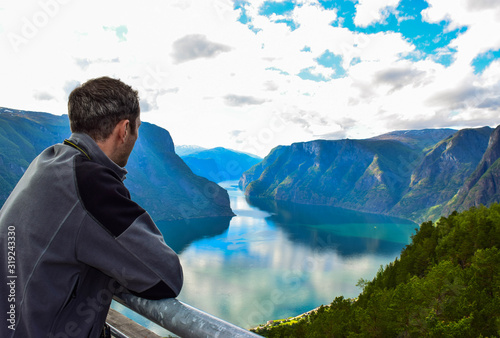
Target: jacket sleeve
[{"x": 120, "y": 239}]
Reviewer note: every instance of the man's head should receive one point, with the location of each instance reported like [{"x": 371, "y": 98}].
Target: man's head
[
  {"x": 96, "y": 107},
  {"x": 108, "y": 111}
]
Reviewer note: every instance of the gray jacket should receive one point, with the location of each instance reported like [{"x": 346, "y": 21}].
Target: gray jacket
[{"x": 70, "y": 238}]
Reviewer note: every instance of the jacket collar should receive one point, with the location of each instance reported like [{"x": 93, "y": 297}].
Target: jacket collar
[{"x": 89, "y": 147}]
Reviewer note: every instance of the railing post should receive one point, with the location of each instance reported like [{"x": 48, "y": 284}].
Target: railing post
[{"x": 182, "y": 319}]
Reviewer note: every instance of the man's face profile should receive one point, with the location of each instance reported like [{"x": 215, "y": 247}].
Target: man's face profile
[{"x": 130, "y": 139}]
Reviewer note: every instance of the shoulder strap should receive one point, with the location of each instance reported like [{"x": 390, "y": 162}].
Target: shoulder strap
[{"x": 71, "y": 144}]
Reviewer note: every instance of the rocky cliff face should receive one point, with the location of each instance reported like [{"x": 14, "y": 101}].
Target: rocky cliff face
[
  {"x": 358, "y": 174},
  {"x": 442, "y": 172},
  {"x": 165, "y": 186},
  {"x": 481, "y": 188},
  {"x": 411, "y": 174},
  {"x": 157, "y": 178},
  {"x": 254, "y": 173}
]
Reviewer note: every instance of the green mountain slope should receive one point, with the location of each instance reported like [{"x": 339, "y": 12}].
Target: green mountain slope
[
  {"x": 410, "y": 174},
  {"x": 442, "y": 172},
  {"x": 481, "y": 188},
  {"x": 446, "y": 283},
  {"x": 157, "y": 178},
  {"x": 23, "y": 135}
]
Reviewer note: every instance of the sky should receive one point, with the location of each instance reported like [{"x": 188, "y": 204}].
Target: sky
[{"x": 252, "y": 75}]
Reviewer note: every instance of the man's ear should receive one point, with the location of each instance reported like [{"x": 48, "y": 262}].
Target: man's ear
[{"x": 122, "y": 129}]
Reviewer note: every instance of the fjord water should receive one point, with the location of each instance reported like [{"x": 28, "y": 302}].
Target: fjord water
[{"x": 276, "y": 260}]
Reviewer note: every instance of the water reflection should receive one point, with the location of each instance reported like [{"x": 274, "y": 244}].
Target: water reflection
[
  {"x": 276, "y": 261},
  {"x": 180, "y": 234},
  {"x": 345, "y": 231},
  {"x": 293, "y": 213}
]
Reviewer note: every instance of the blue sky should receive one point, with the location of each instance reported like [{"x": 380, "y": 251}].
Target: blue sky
[
  {"x": 251, "y": 75},
  {"x": 430, "y": 39},
  {"x": 483, "y": 60}
]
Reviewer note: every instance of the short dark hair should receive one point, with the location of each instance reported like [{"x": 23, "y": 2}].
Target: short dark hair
[{"x": 96, "y": 107}]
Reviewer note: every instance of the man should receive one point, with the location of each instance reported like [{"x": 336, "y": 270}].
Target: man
[{"x": 71, "y": 237}]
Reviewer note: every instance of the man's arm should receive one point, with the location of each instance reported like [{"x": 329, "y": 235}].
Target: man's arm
[{"x": 120, "y": 238}]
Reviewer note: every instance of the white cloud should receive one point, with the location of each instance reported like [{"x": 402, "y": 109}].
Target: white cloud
[
  {"x": 482, "y": 4},
  {"x": 43, "y": 96},
  {"x": 196, "y": 46},
  {"x": 245, "y": 79},
  {"x": 372, "y": 11},
  {"x": 481, "y": 19},
  {"x": 399, "y": 77},
  {"x": 242, "y": 100}
]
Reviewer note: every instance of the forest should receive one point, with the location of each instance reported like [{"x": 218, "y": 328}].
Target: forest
[{"x": 445, "y": 283}]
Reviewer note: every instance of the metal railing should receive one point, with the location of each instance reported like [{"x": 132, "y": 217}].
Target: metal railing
[{"x": 182, "y": 319}]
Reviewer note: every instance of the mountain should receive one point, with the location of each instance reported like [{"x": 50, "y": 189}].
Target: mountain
[
  {"x": 157, "y": 178},
  {"x": 481, "y": 188},
  {"x": 184, "y": 150},
  {"x": 421, "y": 139},
  {"x": 220, "y": 164},
  {"x": 412, "y": 174},
  {"x": 23, "y": 135},
  {"x": 442, "y": 172}
]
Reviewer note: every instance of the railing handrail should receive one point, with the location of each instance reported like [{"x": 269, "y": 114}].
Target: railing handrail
[{"x": 182, "y": 319}]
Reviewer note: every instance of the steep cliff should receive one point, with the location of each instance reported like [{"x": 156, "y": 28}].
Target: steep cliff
[
  {"x": 412, "y": 174},
  {"x": 482, "y": 187},
  {"x": 165, "y": 186},
  {"x": 442, "y": 172},
  {"x": 354, "y": 174}
]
